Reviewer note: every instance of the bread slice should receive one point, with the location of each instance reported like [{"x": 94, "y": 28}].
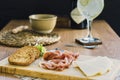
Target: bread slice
[
  {"x": 33, "y": 50},
  {"x": 24, "y": 56}
]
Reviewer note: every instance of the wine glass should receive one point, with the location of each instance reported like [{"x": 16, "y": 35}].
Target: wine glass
[{"x": 90, "y": 9}]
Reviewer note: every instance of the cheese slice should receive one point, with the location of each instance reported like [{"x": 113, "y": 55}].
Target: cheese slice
[{"x": 96, "y": 66}]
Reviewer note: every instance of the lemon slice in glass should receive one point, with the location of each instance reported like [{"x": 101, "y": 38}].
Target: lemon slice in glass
[
  {"x": 84, "y": 2},
  {"x": 77, "y": 16}
]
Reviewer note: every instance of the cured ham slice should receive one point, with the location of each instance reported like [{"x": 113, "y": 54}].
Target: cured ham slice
[{"x": 58, "y": 60}]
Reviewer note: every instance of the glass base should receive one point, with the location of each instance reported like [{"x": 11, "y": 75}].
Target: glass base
[{"x": 89, "y": 42}]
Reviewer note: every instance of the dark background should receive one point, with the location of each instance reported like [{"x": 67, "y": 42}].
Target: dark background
[{"x": 21, "y": 9}]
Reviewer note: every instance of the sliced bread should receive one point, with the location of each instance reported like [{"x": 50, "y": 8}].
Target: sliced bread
[{"x": 24, "y": 56}]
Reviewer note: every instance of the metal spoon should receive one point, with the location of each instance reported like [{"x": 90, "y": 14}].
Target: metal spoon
[{"x": 77, "y": 45}]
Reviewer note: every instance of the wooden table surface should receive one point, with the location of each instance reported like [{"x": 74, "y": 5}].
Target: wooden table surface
[{"x": 102, "y": 30}]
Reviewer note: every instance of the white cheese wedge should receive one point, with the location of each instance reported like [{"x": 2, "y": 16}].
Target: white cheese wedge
[{"x": 95, "y": 66}]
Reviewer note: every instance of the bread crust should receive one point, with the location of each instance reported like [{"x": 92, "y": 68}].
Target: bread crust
[{"x": 24, "y": 56}]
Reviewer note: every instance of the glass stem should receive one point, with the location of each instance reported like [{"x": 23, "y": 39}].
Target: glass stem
[{"x": 89, "y": 26}]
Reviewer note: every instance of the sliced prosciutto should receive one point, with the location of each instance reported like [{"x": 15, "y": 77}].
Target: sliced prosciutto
[{"x": 58, "y": 60}]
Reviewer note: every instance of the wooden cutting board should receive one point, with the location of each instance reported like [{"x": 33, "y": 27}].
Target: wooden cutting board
[{"x": 71, "y": 73}]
